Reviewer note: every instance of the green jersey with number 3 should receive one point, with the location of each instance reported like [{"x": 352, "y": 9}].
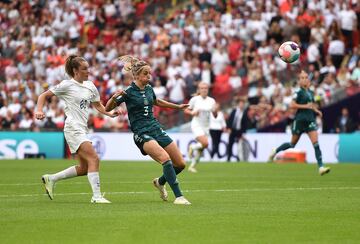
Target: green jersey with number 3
[{"x": 139, "y": 104}]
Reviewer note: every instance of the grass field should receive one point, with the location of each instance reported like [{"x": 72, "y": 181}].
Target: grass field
[{"x": 231, "y": 203}]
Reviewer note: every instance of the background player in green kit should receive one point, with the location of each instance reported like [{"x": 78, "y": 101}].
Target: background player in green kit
[
  {"x": 149, "y": 137},
  {"x": 304, "y": 121}
]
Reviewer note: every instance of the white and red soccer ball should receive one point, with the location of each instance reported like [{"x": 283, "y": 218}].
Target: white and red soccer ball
[{"x": 289, "y": 52}]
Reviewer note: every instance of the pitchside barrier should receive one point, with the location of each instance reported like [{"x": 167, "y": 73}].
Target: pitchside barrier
[
  {"x": 256, "y": 147},
  {"x": 19, "y": 145}
]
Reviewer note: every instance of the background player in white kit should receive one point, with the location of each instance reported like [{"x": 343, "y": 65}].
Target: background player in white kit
[
  {"x": 78, "y": 93},
  {"x": 201, "y": 106}
]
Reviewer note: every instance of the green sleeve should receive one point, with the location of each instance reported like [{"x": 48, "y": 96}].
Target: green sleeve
[{"x": 120, "y": 100}]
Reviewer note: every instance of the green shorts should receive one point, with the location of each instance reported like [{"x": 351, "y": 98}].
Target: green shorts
[
  {"x": 158, "y": 135},
  {"x": 300, "y": 126}
]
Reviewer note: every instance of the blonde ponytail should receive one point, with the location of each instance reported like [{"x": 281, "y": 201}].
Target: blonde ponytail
[{"x": 130, "y": 63}]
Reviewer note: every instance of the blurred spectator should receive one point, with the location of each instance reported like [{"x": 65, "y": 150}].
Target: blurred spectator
[
  {"x": 348, "y": 22},
  {"x": 220, "y": 59},
  {"x": 235, "y": 124},
  {"x": 49, "y": 124},
  {"x": 26, "y": 122},
  {"x": 176, "y": 87},
  {"x": 336, "y": 51},
  {"x": 8, "y": 122},
  {"x": 235, "y": 81},
  {"x": 192, "y": 79},
  {"x": 344, "y": 124},
  {"x": 355, "y": 75},
  {"x": 328, "y": 86},
  {"x": 217, "y": 126},
  {"x": 213, "y": 41},
  {"x": 206, "y": 74},
  {"x": 160, "y": 91}
]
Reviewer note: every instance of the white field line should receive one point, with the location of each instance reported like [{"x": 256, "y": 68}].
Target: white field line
[
  {"x": 194, "y": 191},
  {"x": 115, "y": 182},
  {"x": 76, "y": 183}
]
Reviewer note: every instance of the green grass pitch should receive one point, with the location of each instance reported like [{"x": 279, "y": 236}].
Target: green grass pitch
[{"x": 231, "y": 203}]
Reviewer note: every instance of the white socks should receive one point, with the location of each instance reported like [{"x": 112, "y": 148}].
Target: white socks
[
  {"x": 197, "y": 148},
  {"x": 70, "y": 172},
  {"x": 65, "y": 174},
  {"x": 94, "y": 180}
]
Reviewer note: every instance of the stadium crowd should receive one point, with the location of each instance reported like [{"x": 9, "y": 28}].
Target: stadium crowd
[{"x": 231, "y": 45}]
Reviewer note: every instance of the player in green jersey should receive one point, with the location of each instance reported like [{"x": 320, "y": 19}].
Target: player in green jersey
[
  {"x": 304, "y": 121},
  {"x": 149, "y": 137}
]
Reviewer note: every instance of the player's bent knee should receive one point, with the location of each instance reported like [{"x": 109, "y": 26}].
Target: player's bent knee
[
  {"x": 81, "y": 170},
  {"x": 182, "y": 165},
  {"x": 163, "y": 158},
  {"x": 93, "y": 163}
]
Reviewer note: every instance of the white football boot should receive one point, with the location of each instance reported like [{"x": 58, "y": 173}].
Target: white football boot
[
  {"x": 100, "y": 199},
  {"x": 272, "y": 155},
  {"x": 181, "y": 201},
  {"x": 324, "y": 170},
  {"x": 161, "y": 188},
  {"x": 49, "y": 186},
  {"x": 192, "y": 169}
]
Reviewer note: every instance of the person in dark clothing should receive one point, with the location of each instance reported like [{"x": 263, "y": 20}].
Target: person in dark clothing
[
  {"x": 344, "y": 124},
  {"x": 217, "y": 126},
  {"x": 49, "y": 124},
  {"x": 8, "y": 123},
  {"x": 235, "y": 124}
]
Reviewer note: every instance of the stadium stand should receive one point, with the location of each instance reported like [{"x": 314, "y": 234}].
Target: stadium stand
[{"x": 232, "y": 45}]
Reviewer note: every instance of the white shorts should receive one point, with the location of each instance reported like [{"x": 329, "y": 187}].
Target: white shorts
[
  {"x": 74, "y": 139},
  {"x": 199, "y": 130}
]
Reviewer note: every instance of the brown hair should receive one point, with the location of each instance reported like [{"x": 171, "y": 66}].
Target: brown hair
[
  {"x": 73, "y": 62},
  {"x": 133, "y": 64}
]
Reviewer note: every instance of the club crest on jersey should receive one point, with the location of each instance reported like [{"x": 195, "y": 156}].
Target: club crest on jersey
[{"x": 146, "y": 102}]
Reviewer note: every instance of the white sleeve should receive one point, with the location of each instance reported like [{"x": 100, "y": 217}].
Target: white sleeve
[
  {"x": 213, "y": 106},
  {"x": 223, "y": 122},
  {"x": 96, "y": 96},
  {"x": 192, "y": 103},
  {"x": 60, "y": 89}
]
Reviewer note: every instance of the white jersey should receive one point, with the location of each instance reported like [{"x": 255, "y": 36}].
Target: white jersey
[
  {"x": 205, "y": 106},
  {"x": 77, "y": 99}
]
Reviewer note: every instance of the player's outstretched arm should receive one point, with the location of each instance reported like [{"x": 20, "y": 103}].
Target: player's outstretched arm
[
  {"x": 39, "y": 114},
  {"x": 99, "y": 107},
  {"x": 111, "y": 103},
  {"x": 166, "y": 104},
  {"x": 191, "y": 112}
]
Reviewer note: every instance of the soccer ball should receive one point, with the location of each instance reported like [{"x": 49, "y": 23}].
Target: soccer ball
[{"x": 289, "y": 52}]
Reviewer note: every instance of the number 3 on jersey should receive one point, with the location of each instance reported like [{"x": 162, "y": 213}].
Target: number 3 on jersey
[{"x": 146, "y": 112}]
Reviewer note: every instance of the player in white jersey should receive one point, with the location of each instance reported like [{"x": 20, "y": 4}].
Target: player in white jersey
[
  {"x": 200, "y": 107},
  {"x": 78, "y": 93}
]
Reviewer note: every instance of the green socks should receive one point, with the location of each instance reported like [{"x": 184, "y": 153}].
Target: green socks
[
  {"x": 284, "y": 146},
  {"x": 318, "y": 154},
  {"x": 170, "y": 177},
  {"x": 162, "y": 179}
]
